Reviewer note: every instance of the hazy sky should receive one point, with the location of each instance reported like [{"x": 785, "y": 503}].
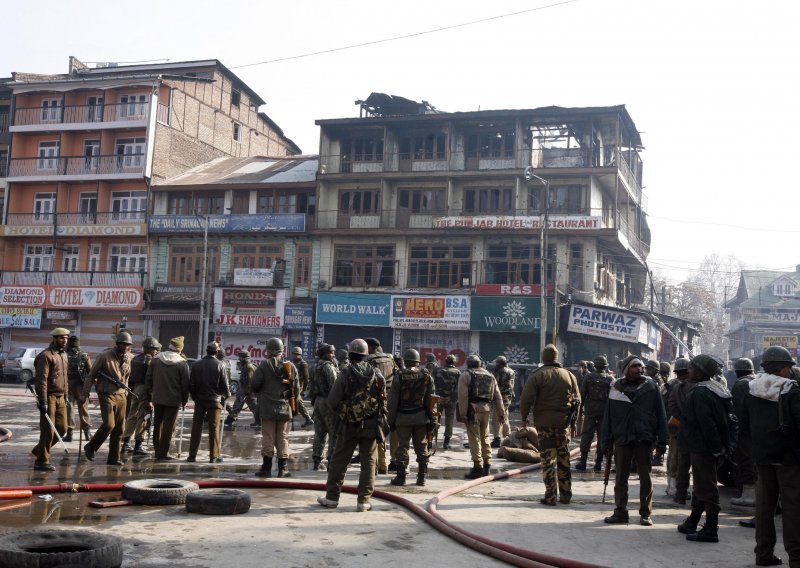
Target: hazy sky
[{"x": 712, "y": 85}]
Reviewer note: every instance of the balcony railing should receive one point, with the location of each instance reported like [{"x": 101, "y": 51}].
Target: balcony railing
[
  {"x": 81, "y": 114},
  {"x": 3, "y": 168},
  {"x": 103, "y": 218},
  {"x": 132, "y": 164},
  {"x": 3, "y": 122},
  {"x": 50, "y": 278}
]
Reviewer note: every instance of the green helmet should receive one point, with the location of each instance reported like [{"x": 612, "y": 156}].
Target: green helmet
[
  {"x": 151, "y": 343},
  {"x": 705, "y": 363},
  {"x": 473, "y": 361},
  {"x": 600, "y": 362},
  {"x": 411, "y": 355},
  {"x": 501, "y": 360},
  {"x": 666, "y": 369},
  {"x": 325, "y": 348},
  {"x": 297, "y": 350},
  {"x": 274, "y": 346},
  {"x": 450, "y": 360},
  {"x": 681, "y": 365},
  {"x": 776, "y": 354},
  {"x": 743, "y": 364},
  {"x": 244, "y": 354},
  {"x": 359, "y": 347},
  {"x": 124, "y": 337},
  {"x": 652, "y": 364},
  {"x": 430, "y": 357}
]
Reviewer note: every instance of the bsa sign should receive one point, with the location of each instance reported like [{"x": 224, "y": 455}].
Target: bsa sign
[
  {"x": 600, "y": 322},
  {"x": 506, "y": 314},
  {"x": 430, "y": 312}
]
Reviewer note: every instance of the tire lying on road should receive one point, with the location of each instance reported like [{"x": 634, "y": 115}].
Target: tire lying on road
[
  {"x": 218, "y": 502},
  {"x": 5, "y": 434},
  {"x": 55, "y": 547},
  {"x": 158, "y": 491}
]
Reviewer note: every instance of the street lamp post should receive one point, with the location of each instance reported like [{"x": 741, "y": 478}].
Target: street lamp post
[
  {"x": 203, "y": 288},
  {"x": 529, "y": 175}
]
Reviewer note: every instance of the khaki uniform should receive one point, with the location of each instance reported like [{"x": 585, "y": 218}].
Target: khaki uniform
[
  {"x": 273, "y": 403},
  {"x": 477, "y": 393},
  {"x": 409, "y": 402},
  {"x": 505, "y": 382},
  {"x": 51, "y": 388},
  {"x": 388, "y": 368}
]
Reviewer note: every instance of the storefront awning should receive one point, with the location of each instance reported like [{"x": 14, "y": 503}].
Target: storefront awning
[{"x": 170, "y": 316}]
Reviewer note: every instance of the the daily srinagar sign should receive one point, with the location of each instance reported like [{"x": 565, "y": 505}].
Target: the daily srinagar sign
[
  {"x": 353, "y": 309},
  {"x": 272, "y": 223}
]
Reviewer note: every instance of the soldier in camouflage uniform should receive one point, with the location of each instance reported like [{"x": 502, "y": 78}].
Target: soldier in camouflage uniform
[
  {"x": 552, "y": 393},
  {"x": 304, "y": 374},
  {"x": 78, "y": 367},
  {"x": 652, "y": 369},
  {"x": 431, "y": 365},
  {"x": 505, "y": 382},
  {"x": 410, "y": 416},
  {"x": 477, "y": 392},
  {"x": 341, "y": 359},
  {"x": 446, "y": 382},
  {"x": 325, "y": 426},
  {"x": 139, "y": 407},
  {"x": 594, "y": 395},
  {"x": 244, "y": 395},
  {"x": 386, "y": 365},
  {"x": 358, "y": 397}
]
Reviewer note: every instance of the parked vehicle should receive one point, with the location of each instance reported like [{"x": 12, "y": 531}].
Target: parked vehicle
[
  {"x": 19, "y": 363},
  {"x": 3, "y": 357}
]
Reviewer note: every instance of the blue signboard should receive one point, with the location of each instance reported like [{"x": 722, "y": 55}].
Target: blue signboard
[
  {"x": 273, "y": 223},
  {"x": 298, "y": 316},
  {"x": 353, "y": 309}
]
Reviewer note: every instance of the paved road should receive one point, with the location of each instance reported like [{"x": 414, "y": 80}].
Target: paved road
[{"x": 286, "y": 527}]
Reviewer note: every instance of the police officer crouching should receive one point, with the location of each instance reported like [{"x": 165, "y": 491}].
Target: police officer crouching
[{"x": 410, "y": 415}]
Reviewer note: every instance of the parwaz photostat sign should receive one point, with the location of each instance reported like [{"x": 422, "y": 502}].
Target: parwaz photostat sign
[
  {"x": 611, "y": 324},
  {"x": 430, "y": 312}
]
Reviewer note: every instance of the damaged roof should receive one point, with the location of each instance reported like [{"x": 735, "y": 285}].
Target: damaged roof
[{"x": 259, "y": 170}]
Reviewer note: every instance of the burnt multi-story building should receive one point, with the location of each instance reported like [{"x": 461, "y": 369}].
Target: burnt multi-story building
[{"x": 86, "y": 147}]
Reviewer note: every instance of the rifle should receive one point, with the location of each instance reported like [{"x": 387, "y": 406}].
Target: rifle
[
  {"x": 607, "y": 473},
  {"x": 47, "y": 417},
  {"x": 116, "y": 382},
  {"x": 433, "y": 412},
  {"x": 287, "y": 368}
]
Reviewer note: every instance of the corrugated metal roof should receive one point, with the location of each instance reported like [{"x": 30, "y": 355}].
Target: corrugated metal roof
[{"x": 253, "y": 170}]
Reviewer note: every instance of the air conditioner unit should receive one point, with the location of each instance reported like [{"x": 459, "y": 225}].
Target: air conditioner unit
[{"x": 323, "y": 284}]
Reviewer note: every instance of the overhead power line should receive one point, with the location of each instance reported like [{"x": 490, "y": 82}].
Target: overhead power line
[{"x": 406, "y": 36}]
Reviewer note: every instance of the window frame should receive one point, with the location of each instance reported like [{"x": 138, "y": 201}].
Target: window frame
[
  {"x": 439, "y": 265},
  {"x": 364, "y": 266}
]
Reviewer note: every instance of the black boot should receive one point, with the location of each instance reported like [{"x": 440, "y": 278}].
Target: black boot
[
  {"x": 581, "y": 465},
  {"x": 68, "y": 437},
  {"x": 392, "y": 466},
  {"x": 87, "y": 434},
  {"x": 400, "y": 478},
  {"x": 707, "y": 534},
  {"x": 680, "y": 498},
  {"x": 283, "y": 470},
  {"x": 446, "y": 444},
  {"x": 421, "y": 473},
  {"x": 126, "y": 445},
  {"x": 598, "y": 463},
  {"x": 308, "y": 422},
  {"x": 485, "y": 470},
  {"x": 266, "y": 468},
  {"x": 138, "y": 450},
  {"x": 496, "y": 442},
  {"x": 356, "y": 459},
  {"x": 475, "y": 472},
  {"x": 689, "y": 526},
  {"x": 317, "y": 464}
]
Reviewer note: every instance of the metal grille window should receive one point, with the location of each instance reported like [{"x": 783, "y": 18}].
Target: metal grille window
[
  {"x": 44, "y": 206},
  {"x": 360, "y": 266},
  {"x": 255, "y": 256},
  {"x": 494, "y": 200},
  {"x": 186, "y": 263},
  {"x": 48, "y": 155},
  {"x": 130, "y": 152},
  {"x": 440, "y": 266},
  {"x": 51, "y": 110},
  {"x": 362, "y": 202},
  {"x": 422, "y": 200},
  {"x": 126, "y": 205}
]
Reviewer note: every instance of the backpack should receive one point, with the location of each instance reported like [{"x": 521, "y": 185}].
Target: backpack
[
  {"x": 359, "y": 405},
  {"x": 597, "y": 389},
  {"x": 413, "y": 385},
  {"x": 76, "y": 363},
  {"x": 481, "y": 385}
]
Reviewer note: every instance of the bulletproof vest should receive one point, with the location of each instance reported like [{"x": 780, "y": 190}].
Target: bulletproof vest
[
  {"x": 361, "y": 397},
  {"x": 413, "y": 385},
  {"x": 75, "y": 363},
  {"x": 597, "y": 389},
  {"x": 446, "y": 381},
  {"x": 505, "y": 381},
  {"x": 139, "y": 366},
  {"x": 385, "y": 364},
  {"x": 481, "y": 385},
  {"x": 318, "y": 382}
]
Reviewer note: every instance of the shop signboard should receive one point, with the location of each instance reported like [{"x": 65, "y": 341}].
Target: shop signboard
[
  {"x": 226, "y": 224},
  {"x": 787, "y": 341},
  {"x": 249, "y": 301},
  {"x": 430, "y": 312},
  {"x": 233, "y": 343},
  {"x": 253, "y": 276},
  {"x": 509, "y": 222},
  {"x": 611, "y": 324},
  {"x": 511, "y": 290},
  {"x": 502, "y": 314},
  {"x": 20, "y": 317},
  {"x": 33, "y": 296},
  {"x": 353, "y": 309},
  {"x": 94, "y": 298},
  {"x": 299, "y": 316}
]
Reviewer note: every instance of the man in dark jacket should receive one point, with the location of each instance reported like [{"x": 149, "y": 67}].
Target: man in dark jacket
[
  {"x": 446, "y": 381},
  {"x": 743, "y": 456},
  {"x": 678, "y": 393},
  {"x": 208, "y": 385},
  {"x": 634, "y": 421},
  {"x": 167, "y": 381},
  {"x": 594, "y": 396},
  {"x": 325, "y": 374},
  {"x": 303, "y": 375},
  {"x": 79, "y": 367},
  {"x": 551, "y": 392},
  {"x": 139, "y": 407},
  {"x": 51, "y": 389},
  {"x": 386, "y": 365},
  {"x": 772, "y": 416},
  {"x": 710, "y": 439}
]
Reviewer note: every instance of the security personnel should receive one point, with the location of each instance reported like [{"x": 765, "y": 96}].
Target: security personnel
[
  {"x": 505, "y": 378},
  {"x": 673, "y": 424},
  {"x": 276, "y": 384},
  {"x": 116, "y": 363},
  {"x": 358, "y": 397},
  {"x": 385, "y": 363},
  {"x": 79, "y": 366},
  {"x": 446, "y": 382},
  {"x": 325, "y": 374},
  {"x": 678, "y": 394},
  {"x": 303, "y": 375},
  {"x": 410, "y": 415},
  {"x": 743, "y": 455},
  {"x": 431, "y": 364},
  {"x": 710, "y": 439},
  {"x": 51, "y": 387},
  {"x": 167, "y": 382},
  {"x": 342, "y": 358},
  {"x": 772, "y": 416},
  {"x": 139, "y": 407},
  {"x": 594, "y": 395},
  {"x": 208, "y": 386},
  {"x": 552, "y": 393},
  {"x": 477, "y": 392},
  {"x": 652, "y": 370},
  {"x": 244, "y": 395}
]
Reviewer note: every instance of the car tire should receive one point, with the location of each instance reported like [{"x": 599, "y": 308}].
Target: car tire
[
  {"x": 218, "y": 502},
  {"x": 5, "y": 434},
  {"x": 55, "y": 547},
  {"x": 234, "y": 387},
  {"x": 158, "y": 491},
  {"x": 24, "y": 376}
]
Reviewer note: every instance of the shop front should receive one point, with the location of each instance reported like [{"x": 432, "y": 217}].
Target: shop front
[
  {"x": 298, "y": 322},
  {"x": 342, "y": 317},
  {"x": 245, "y": 318},
  {"x": 508, "y": 326},
  {"x": 433, "y": 324}
]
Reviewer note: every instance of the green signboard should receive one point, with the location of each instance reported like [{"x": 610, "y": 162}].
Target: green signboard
[{"x": 519, "y": 314}]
